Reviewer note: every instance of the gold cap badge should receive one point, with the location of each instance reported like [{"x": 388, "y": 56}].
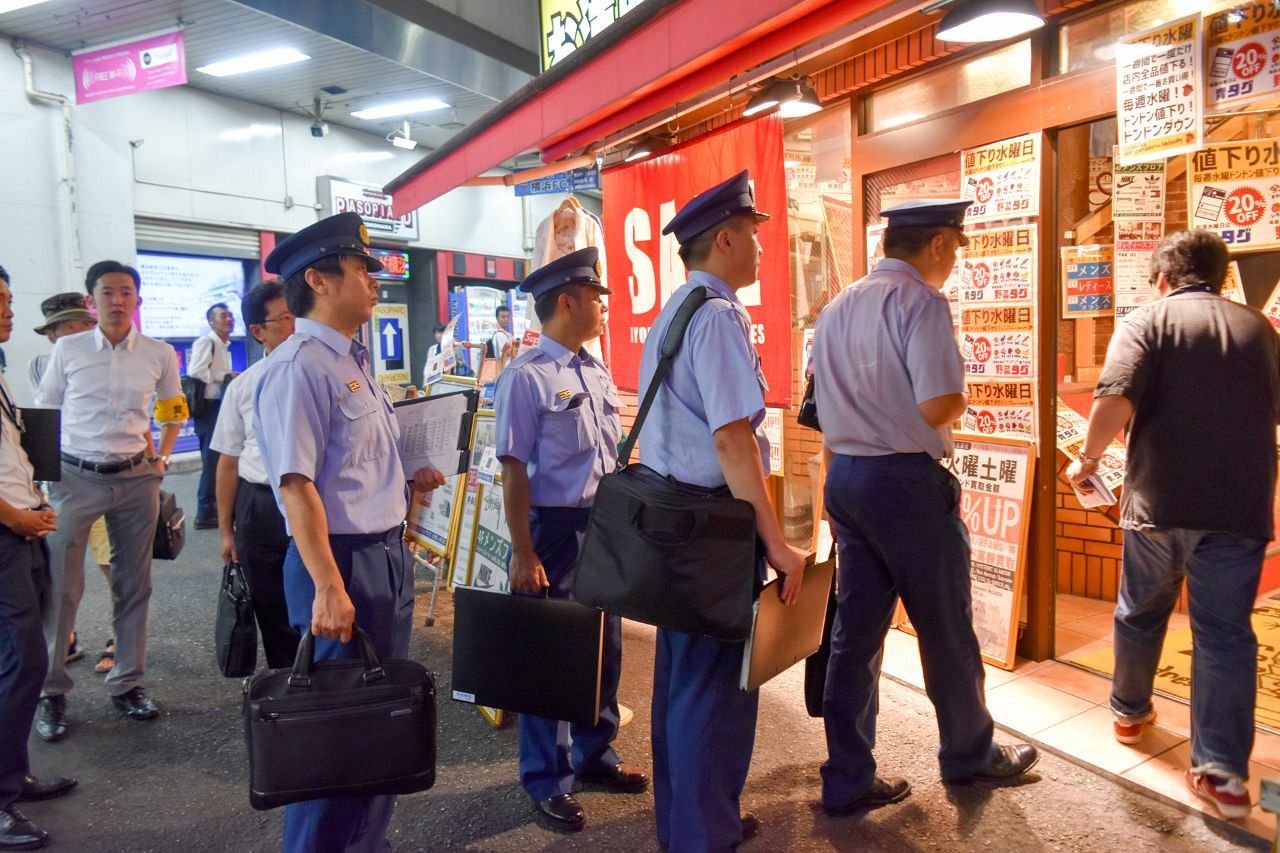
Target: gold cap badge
[
  {"x": 599, "y": 269},
  {"x": 364, "y": 234}
]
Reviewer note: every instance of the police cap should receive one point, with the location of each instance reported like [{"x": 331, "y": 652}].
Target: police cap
[
  {"x": 342, "y": 234},
  {"x": 711, "y": 207},
  {"x": 935, "y": 212},
  {"x": 580, "y": 267}
]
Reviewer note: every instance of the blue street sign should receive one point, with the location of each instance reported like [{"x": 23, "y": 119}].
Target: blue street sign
[
  {"x": 575, "y": 180},
  {"x": 389, "y": 332}
]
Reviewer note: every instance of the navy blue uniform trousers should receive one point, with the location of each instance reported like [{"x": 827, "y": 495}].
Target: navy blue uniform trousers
[
  {"x": 206, "y": 492},
  {"x": 899, "y": 533},
  {"x": 379, "y": 580},
  {"x": 703, "y": 733},
  {"x": 262, "y": 543},
  {"x": 24, "y": 593},
  {"x": 546, "y": 766}
]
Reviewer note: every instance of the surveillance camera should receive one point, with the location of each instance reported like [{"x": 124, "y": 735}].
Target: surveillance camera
[{"x": 320, "y": 129}]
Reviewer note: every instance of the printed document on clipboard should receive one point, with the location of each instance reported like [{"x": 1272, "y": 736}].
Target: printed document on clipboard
[{"x": 436, "y": 431}]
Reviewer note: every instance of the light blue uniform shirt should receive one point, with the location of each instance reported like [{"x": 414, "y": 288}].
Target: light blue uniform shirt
[
  {"x": 318, "y": 413},
  {"x": 558, "y": 412},
  {"x": 883, "y": 346},
  {"x": 715, "y": 380}
]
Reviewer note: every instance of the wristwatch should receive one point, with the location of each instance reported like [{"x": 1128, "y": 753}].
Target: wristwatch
[
  {"x": 1093, "y": 459},
  {"x": 154, "y": 459}
]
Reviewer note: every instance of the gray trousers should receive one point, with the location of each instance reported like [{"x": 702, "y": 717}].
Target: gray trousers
[{"x": 130, "y": 500}]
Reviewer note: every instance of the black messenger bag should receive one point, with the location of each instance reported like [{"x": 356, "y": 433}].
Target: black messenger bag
[
  {"x": 339, "y": 728},
  {"x": 664, "y": 552},
  {"x": 235, "y": 631}
]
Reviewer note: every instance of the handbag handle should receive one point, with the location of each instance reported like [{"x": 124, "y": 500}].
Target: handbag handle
[
  {"x": 304, "y": 663},
  {"x": 637, "y": 509},
  {"x": 233, "y": 577},
  {"x": 671, "y": 342}
]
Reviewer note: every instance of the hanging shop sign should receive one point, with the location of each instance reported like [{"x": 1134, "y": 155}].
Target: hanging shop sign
[
  {"x": 373, "y": 205},
  {"x": 1087, "y": 282},
  {"x": 1002, "y": 179},
  {"x": 644, "y": 269},
  {"x": 1158, "y": 92},
  {"x": 569, "y": 24},
  {"x": 395, "y": 265},
  {"x": 157, "y": 62},
  {"x": 390, "y": 335},
  {"x": 1135, "y": 241},
  {"x": 998, "y": 341},
  {"x": 999, "y": 267},
  {"x": 1241, "y": 53},
  {"x": 1003, "y": 407},
  {"x": 1233, "y": 285},
  {"x": 562, "y": 183},
  {"x": 1137, "y": 191},
  {"x": 1234, "y": 192}
]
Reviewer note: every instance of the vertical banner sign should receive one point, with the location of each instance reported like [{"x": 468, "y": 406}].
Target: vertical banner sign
[
  {"x": 1135, "y": 242},
  {"x": 995, "y": 476},
  {"x": 1233, "y": 285},
  {"x": 1241, "y": 53},
  {"x": 1137, "y": 191},
  {"x": 999, "y": 267},
  {"x": 391, "y": 342},
  {"x": 1004, "y": 407},
  {"x": 1158, "y": 92},
  {"x": 157, "y": 62},
  {"x": 998, "y": 341},
  {"x": 1234, "y": 192},
  {"x": 1087, "y": 285},
  {"x": 644, "y": 269},
  {"x": 1002, "y": 179}
]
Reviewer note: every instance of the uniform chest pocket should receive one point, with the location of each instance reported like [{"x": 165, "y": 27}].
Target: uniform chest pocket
[
  {"x": 139, "y": 388},
  {"x": 362, "y": 422},
  {"x": 563, "y": 433},
  {"x": 612, "y": 418}
]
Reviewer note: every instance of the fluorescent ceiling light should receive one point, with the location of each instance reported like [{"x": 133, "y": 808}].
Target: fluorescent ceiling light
[
  {"x": 259, "y": 61},
  {"x": 253, "y": 131},
  {"x": 401, "y": 108},
  {"x": 404, "y": 142},
  {"x": 638, "y": 153},
  {"x": 364, "y": 156},
  {"x": 990, "y": 20},
  {"x": 15, "y": 5}
]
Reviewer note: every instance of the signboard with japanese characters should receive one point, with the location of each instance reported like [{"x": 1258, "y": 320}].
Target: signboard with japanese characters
[
  {"x": 1233, "y": 285},
  {"x": 491, "y": 548},
  {"x": 1072, "y": 426},
  {"x": 998, "y": 341},
  {"x": 1235, "y": 194},
  {"x": 773, "y": 433},
  {"x": 1158, "y": 92},
  {"x": 432, "y": 515},
  {"x": 464, "y": 536},
  {"x": 569, "y": 24},
  {"x": 1272, "y": 308},
  {"x": 1241, "y": 53},
  {"x": 1137, "y": 191},
  {"x": 999, "y": 267},
  {"x": 1002, "y": 179},
  {"x": 1086, "y": 282},
  {"x": 1000, "y": 407},
  {"x": 1134, "y": 242}
]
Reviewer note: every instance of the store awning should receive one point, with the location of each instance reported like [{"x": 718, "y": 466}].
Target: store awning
[{"x": 665, "y": 52}]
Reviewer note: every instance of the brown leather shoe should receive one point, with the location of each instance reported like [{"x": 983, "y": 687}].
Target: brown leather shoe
[
  {"x": 562, "y": 813},
  {"x": 620, "y": 778},
  {"x": 883, "y": 791}
]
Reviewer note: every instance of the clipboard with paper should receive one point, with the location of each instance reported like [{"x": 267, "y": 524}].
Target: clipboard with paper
[{"x": 436, "y": 431}]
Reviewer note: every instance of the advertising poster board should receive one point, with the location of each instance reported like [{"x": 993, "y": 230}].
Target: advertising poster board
[
  {"x": 1135, "y": 240},
  {"x": 1241, "y": 59},
  {"x": 998, "y": 341},
  {"x": 464, "y": 536},
  {"x": 999, "y": 267},
  {"x": 180, "y": 289},
  {"x": 1087, "y": 282},
  {"x": 1002, "y": 179},
  {"x": 1004, "y": 407},
  {"x": 1137, "y": 191},
  {"x": 1159, "y": 92},
  {"x": 1233, "y": 192},
  {"x": 491, "y": 548},
  {"x": 157, "y": 62},
  {"x": 773, "y": 432},
  {"x": 1272, "y": 309},
  {"x": 433, "y": 515},
  {"x": 1072, "y": 429},
  {"x": 1233, "y": 285},
  {"x": 390, "y": 333}
]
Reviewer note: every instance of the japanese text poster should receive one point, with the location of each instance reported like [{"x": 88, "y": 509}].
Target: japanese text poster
[
  {"x": 1235, "y": 194},
  {"x": 998, "y": 341},
  {"x": 1137, "y": 191},
  {"x": 999, "y": 406},
  {"x": 999, "y": 266},
  {"x": 431, "y": 515},
  {"x": 1002, "y": 179},
  {"x": 1135, "y": 242},
  {"x": 1233, "y": 285},
  {"x": 1272, "y": 308},
  {"x": 1086, "y": 281},
  {"x": 491, "y": 549},
  {"x": 1158, "y": 92},
  {"x": 1241, "y": 53}
]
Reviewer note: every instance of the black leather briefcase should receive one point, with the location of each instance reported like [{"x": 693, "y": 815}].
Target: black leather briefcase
[
  {"x": 339, "y": 728},
  {"x": 235, "y": 631}
]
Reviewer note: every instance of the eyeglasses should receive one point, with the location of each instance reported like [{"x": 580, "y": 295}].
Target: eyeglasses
[{"x": 285, "y": 316}]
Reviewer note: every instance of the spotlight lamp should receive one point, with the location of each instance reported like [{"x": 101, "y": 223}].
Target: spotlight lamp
[
  {"x": 794, "y": 98},
  {"x": 990, "y": 20}
]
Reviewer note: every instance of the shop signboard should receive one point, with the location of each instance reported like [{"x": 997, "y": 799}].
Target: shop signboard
[
  {"x": 1272, "y": 308},
  {"x": 562, "y": 183},
  {"x": 1087, "y": 282},
  {"x": 1241, "y": 53},
  {"x": 491, "y": 548},
  {"x": 773, "y": 433},
  {"x": 1234, "y": 192},
  {"x": 390, "y": 335},
  {"x": 1159, "y": 92},
  {"x": 1002, "y": 179},
  {"x": 373, "y": 205},
  {"x": 567, "y": 25},
  {"x": 156, "y": 62},
  {"x": 999, "y": 267},
  {"x": 432, "y": 515},
  {"x": 1135, "y": 241},
  {"x": 1137, "y": 191},
  {"x": 998, "y": 341},
  {"x": 1004, "y": 407},
  {"x": 1233, "y": 285},
  {"x": 644, "y": 269}
]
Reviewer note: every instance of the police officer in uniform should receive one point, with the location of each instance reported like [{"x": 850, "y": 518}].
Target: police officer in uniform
[
  {"x": 328, "y": 441},
  {"x": 890, "y": 382},
  {"x": 706, "y": 429},
  {"x": 558, "y": 429}
]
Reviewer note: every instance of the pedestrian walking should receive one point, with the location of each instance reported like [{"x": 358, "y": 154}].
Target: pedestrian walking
[{"x": 211, "y": 364}]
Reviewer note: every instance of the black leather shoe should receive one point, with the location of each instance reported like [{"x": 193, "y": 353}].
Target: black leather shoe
[
  {"x": 619, "y": 778},
  {"x": 206, "y": 523},
  {"x": 750, "y": 825},
  {"x": 18, "y": 833},
  {"x": 562, "y": 813},
  {"x": 51, "y": 718},
  {"x": 33, "y": 789},
  {"x": 1009, "y": 761},
  {"x": 135, "y": 704},
  {"x": 882, "y": 792}
]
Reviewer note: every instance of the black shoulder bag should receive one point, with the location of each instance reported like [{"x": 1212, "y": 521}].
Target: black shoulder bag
[{"x": 664, "y": 552}]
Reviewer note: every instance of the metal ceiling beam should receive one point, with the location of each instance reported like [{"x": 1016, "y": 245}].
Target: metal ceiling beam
[
  {"x": 431, "y": 17},
  {"x": 380, "y": 32}
]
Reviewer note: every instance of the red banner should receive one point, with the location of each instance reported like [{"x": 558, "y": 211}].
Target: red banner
[{"x": 644, "y": 268}]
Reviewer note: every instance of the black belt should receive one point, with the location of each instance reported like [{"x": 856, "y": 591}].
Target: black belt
[{"x": 104, "y": 467}]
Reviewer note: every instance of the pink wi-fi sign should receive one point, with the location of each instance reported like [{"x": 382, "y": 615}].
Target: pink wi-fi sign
[{"x": 155, "y": 62}]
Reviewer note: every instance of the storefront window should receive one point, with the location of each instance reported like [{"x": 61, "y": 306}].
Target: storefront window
[{"x": 1091, "y": 41}]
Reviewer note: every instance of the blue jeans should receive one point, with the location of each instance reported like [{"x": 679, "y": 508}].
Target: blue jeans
[{"x": 1222, "y": 571}]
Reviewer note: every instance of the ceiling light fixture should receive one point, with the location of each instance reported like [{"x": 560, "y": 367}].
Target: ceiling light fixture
[
  {"x": 259, "y": 61},
  {"x": 403, "y": 138},
  {"x": 990, "y": 20},
  {"x": 806, "y": 104},
  {"x": 794, "y": 98},
  {"x": 400, "y": 108},
  {"x": 639, "y": 152}
]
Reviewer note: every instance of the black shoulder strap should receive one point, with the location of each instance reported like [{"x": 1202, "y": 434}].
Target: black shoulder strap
[{"x": 671, "y": 342}]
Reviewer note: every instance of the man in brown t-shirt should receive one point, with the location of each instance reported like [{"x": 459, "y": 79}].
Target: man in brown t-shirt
[{"x": 1197, "y": 379}]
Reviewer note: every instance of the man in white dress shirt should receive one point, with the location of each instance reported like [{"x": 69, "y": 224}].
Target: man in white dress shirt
[
  {"x": 211, "y": 364},
  {"x": 249, "y": 522},
  {"x": 105, "y": 382}
]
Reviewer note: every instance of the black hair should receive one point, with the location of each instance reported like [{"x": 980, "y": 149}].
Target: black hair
[
  {"x": 1191, "y": 258},
  {"x": 4, "y": 274},
  {"x": 253, "y": 308},
  {"x": 440, "y": 327},
  {"x": 698, "y": 248},
  {"x": 208, "y": 315},
  {"x": 500, "y": 309},
  {"x": 298, "y": 295},
  {"x": 907, "y": 241},
  {"x": 544, "y": 307},
  {"x": 102, "y": 268}
]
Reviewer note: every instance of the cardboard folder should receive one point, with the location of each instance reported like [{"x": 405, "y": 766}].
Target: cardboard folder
[
  {"x": 783, "y": 635},
  {"x": 537, "y": 656}
]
